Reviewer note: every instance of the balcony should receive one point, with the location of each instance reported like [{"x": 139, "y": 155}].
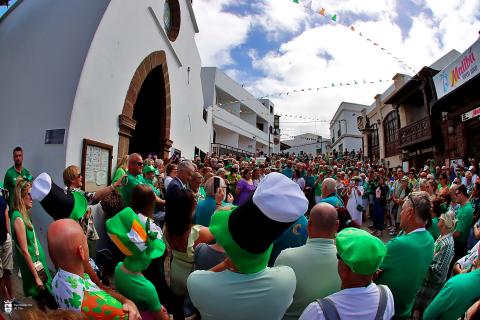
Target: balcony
[
  {"x": 234, "y": 123},
  {"x": 416, "y": 132}
]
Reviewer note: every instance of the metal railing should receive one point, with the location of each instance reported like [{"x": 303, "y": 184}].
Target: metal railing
[{"x": 223, "y": 149}]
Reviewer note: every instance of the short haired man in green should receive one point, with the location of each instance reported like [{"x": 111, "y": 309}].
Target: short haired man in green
[
  {"x": 409, "y": 255},
  {"x": 13, "y": 173}
]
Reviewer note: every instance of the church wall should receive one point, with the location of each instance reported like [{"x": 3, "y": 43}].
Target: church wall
[{"x": 116, "y": 52}]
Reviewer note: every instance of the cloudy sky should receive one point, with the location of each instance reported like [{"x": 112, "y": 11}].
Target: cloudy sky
[{"x": 274, "y": 46}]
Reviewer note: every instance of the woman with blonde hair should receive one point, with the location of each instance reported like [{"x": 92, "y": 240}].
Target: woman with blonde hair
[
  {"x": 30, "y": 257},
  {"x": 121, "y": 168}
]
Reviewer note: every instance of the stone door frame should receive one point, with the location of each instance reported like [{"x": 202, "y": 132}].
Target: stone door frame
[{"x": 125, "y": 119}]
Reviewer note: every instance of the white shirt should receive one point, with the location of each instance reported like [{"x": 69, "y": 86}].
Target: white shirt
[
  {"x": 354, "y": 303},
  {"x": 166, "y": 181}
]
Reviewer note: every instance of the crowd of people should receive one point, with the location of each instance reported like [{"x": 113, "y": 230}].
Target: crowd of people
[{"x": 232, "y": 237}]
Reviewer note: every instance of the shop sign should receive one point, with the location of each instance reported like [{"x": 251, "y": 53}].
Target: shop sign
[
  {"x": 464, "y": 68},
  {"x": 471, "y": 114},
  {"x": 421, "y": 151}
]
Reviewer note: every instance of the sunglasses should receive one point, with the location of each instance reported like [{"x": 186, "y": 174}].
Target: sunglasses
[{"x": 140, "y": 164}]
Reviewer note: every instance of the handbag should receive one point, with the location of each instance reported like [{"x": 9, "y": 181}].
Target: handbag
[
  {"x": 42, "y": 274},
  {"x": 359, "y": 206}
]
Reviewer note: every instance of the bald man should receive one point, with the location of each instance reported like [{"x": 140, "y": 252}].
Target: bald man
[
  {"x": 315, "y": 263},
  {"x": 72, "y": 288}
]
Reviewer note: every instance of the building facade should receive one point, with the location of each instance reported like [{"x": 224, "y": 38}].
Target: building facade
[
  {"x": 458, "y": 107},
  {"x": 381, "y": 131},
  {"x": 242, "y": 124},
  {"x": 344, "y": 132},
  {"x": 401, "y": 130},
  {"x": 308, "y": 143},
  {"x": 124, "y": 74}
]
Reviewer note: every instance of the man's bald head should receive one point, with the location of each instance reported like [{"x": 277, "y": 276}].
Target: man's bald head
[
  {"x": 67, "y": 244},
  {"x": 323, "y": 221}
]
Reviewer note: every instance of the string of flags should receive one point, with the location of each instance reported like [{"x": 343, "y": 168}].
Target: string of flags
[
  {"x": 301, "y": 91},
  {"x": 307, "y": 5},
  {"x": 332, "y": 85}
]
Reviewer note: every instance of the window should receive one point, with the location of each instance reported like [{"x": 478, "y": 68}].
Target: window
[
  {"x": 375, "y": 136},
  {"x": 171, "y": 18},
  {"x": 391, "y": 125}
]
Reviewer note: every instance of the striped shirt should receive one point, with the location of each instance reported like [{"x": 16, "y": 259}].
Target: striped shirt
[{"x": 442, "y": 256}]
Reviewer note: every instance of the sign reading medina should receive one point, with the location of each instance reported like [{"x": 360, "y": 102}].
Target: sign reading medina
[{"x": 464, "y": 68}]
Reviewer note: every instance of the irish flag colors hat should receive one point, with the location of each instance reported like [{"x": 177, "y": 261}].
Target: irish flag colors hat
[
  {"x": 247, "y": 232},
  {"x": 134, "y": 239}
]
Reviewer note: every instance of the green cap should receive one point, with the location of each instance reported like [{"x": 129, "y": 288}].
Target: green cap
[
  {"x": 148, "y": 169},
  {"x": 361, "y": 251},
  {"x": 134, "y": 239}
]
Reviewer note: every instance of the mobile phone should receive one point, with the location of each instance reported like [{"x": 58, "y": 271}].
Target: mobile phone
[{"x": 216, "y": 183}]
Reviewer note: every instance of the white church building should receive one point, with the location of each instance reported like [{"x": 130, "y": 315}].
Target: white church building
[{"x": 123, "y": 74}]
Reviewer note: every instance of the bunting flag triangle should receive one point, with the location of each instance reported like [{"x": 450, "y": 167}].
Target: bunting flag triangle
[
  {"x": 334, "y": 18},
  {"x": 352, "y": 28},
  {"x": 356, "y": 82},
  {"x": 322, "y": 12},
  {"x": 333, "y": 84},
  {"x": 296, "y": 1}
]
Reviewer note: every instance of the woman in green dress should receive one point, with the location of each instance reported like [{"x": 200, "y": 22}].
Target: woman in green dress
[{"x": 30, "y": 257}]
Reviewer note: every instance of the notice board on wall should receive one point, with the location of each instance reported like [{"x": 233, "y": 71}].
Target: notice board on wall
[{"x": 96, "y": 165}]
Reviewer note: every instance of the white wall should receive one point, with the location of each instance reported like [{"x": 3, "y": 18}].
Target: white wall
[
  {"x": 116, "y": 52},
  {"x": 43, "y": 45},
  {"x": 225, "y": 136},
  {"x": 54, "y": 76}
]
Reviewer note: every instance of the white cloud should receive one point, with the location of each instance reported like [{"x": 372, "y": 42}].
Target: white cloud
[
  {"x": 307, "y": 39},
  {"x": 220, "y": 31}
]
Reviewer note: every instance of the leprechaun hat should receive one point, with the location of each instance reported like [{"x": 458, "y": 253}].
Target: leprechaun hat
[
  {"x": 137, "y": 242},
  {"x": 57, "y": 202},
  {"x": 247, "y": 232}
]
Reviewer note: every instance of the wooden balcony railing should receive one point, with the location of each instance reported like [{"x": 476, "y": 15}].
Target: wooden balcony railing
[{"x": 416, "y": 132}]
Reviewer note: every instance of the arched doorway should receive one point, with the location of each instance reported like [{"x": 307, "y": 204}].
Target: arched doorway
[{"x": 145, "y": 119}]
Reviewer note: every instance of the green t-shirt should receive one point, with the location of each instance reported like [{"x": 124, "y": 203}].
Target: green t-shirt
[
  {"x": 318, "y": 188},
  {"x": 138, "y": 289},
  {"x": 118, "y": 174},
  {"x": 405, "y": 267},
  {"x": 10, "y": 180},
  {"x": 150, "y": 183},
  {"x": 456, "y": 296},
  {"x": 434, "y": 231},
  {"x": 464, "y": 223},
  {"x": 126, "y": 190}
]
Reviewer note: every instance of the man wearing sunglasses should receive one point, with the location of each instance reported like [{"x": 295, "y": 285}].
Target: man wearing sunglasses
[
  {"x": 134, "y": 177},
  {"x": 409, "y": 255}
]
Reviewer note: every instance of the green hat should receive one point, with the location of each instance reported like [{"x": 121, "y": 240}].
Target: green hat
[
  {"x": 134, "y": 239},
  {"x": 359, "y": 250},
  {"x": 247, "y": 232},
  {"x": 58, "y": 203},
  {"x": 148, "y": 169}
]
